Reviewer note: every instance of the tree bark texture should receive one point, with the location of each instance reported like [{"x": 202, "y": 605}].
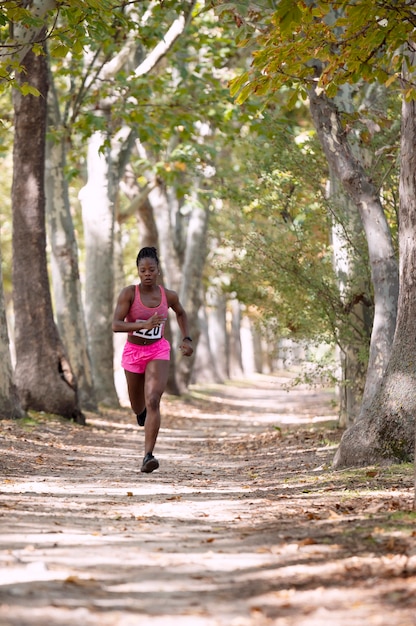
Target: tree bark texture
[
  {"x": 216, "y": 305},
  {"x": 235, "y": 356},
  {"x": 205, "y": 369},
  {"x": 43, "y": 374},
  {"x": 165, "y": 209},
  {"x": 387, "y": 434},
  {"x": 384, "y": 271},
  {"x": 10, "y": 407},
  {"x": 192, "y": 275},
  {"x": 97, "y": 198},
  {"x": 356, "y": 298},
  {"x": 161, "y": 223},
  {"x": 65, "y": 274}
]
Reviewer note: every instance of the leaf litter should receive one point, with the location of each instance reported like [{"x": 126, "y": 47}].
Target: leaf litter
[{"x": 244, "y": 524}]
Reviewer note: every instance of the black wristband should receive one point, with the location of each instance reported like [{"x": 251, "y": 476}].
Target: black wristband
[{"x": 188, "y": 338}]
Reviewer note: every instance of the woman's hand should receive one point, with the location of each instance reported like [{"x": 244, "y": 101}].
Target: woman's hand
[
  {"x": 186, "y": 347},
  {"x": 155, "y": 320}
]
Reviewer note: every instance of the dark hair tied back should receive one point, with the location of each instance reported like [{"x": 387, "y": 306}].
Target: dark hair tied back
[{"x": 147, "y": 253}]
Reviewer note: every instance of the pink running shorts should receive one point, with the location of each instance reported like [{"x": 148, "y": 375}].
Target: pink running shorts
[{"x": 135, "y": 358}]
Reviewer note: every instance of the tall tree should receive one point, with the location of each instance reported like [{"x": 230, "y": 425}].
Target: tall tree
[
  {"x": 356, "y": 298},
  {"x": 28, "y": 27},
  {"x": 43, "y": 374},
  {"x": 368, "y": 42},
  {"x": 23, "y": 28},
  {"x": 366, "y": 196},
  {"x": 193, "y": 268},
  {"x": 64, "y": 262},
  {"x": 388, "y": 432}
]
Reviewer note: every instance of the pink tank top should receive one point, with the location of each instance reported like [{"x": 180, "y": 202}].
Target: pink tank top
[{"x": 138, "y": 311}]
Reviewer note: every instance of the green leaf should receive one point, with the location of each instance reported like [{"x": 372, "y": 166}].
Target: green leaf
[
  {"x": 238, "y": 83},
  {"x": 332, "y": 89},
  {"x": 291, "y": 103},
  {"x": 78, "y": 47},
  {"x": 291, "y": 17},
  {"x": 59, "y": 51},
  {"x": 245, "y": 92},
  {"x": 37, "y": 49},
  {"x": 27, "y": 89}
]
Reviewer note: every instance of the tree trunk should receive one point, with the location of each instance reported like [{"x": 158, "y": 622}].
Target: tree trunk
[
  {"x": 387, "y": 433},
  {"x": 170, "y": 272},
  {"x": 10, "y": 407},
  {"x": 165, "y": 210},
  {"x": 380, "y": 248},
  {"x": 97, "y": 200},
  {"x": 65, "y": 274},
  {"x": 205, "y": 368},
  {"x": 258, "y": 352},
  {"x": 216, "y": 304},
  {"x": 43, "y": 374},
  {"x": 356, "y": 300},
  {"x": 235, "y": 356},
  {"x": 193, "y": 267},
  {"x": 247, "y": 346}
]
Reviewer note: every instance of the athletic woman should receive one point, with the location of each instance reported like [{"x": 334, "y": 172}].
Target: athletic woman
[{"x": 141, "y": 312}]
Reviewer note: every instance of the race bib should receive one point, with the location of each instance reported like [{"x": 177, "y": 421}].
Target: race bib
[{"x": 151, "y": 333}]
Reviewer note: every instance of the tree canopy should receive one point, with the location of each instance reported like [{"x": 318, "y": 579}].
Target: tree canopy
[{"x": 324, "y": 42}]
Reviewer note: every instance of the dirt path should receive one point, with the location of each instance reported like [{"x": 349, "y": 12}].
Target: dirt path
[{"x": 244, "y": 524}]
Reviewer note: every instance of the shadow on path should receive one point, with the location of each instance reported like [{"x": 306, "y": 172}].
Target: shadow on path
[{"x": 244, "y": 524}]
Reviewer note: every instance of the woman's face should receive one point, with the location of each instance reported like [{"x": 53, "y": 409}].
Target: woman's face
[{"x": 148, "y": 271}]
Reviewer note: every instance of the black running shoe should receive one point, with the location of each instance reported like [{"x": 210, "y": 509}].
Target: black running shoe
[
  {"x": 149, "y": 463},
  {"x": 141, "y": 417}
]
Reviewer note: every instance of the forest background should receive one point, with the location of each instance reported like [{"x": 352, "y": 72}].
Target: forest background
[{"x": 260, "y": 148}]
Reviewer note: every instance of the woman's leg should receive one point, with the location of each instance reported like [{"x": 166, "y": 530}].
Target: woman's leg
[
  {"x": 135, "y": 387},
  {"x": 156, "y": 378}
]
